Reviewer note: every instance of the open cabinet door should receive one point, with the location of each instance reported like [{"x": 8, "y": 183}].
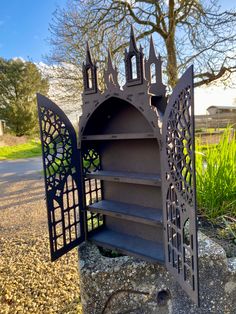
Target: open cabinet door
[
  {"x": 62, "y": 172},
  {"x": 179, "y": 187}
]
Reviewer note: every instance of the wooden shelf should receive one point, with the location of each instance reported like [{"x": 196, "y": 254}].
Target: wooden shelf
[
  {"x": 146, "y": 215},
  {"x": 126, "y": 177},
  {"x": 128, "y": 244},
  {"x": 121, "y": 136}
]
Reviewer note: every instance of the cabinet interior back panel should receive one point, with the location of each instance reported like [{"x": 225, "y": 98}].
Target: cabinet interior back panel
[
  {"x": 149, "y": 196},
  {"x": 116, "y": 116},
  {"x": 147, "y": 232},
  {"x": 131, "y": 155}
]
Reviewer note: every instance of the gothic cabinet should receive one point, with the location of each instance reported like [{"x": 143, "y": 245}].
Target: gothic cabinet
[{"x": 127, "y": 181}]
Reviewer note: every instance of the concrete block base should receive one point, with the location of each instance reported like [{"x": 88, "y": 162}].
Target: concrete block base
[{"x": 129, "y": 285}]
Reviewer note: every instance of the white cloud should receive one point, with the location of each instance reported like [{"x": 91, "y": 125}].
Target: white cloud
[
  {"x": 18, "y": 58},
  {"x": 59, "y": 88}
]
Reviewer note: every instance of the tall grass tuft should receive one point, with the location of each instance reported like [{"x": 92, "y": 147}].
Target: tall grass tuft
[{"x": 216, "y": 177}]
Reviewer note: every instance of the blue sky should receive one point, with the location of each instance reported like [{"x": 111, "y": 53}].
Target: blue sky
[
  {"x": 24, "y": 32},
  {"x": 24, "y": 27}
]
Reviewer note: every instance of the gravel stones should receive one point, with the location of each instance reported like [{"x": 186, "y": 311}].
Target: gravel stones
[{"x": 29, "y": 281}]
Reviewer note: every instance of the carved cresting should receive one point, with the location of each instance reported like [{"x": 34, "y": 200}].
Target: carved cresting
[
  {"x": 134, "y": 66},
  {"x": 89, "y": 74},
  {"x": 111, "y": 73},
  {"x": 179, "y": 186},
  {"x": 61, "y": 163},
  {"x": 153, "y": 69}
]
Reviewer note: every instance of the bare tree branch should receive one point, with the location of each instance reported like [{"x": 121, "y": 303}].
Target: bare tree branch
[{"x": 185, "y": 31}]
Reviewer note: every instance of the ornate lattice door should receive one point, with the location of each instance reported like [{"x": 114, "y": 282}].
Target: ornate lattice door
[
  {"x": 63, "y": 182},
  {"x": 178, "y": 186}
]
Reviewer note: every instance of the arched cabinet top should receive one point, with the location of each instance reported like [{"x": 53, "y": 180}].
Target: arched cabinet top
[
  {"x": 114, "y": 114},
  {"x": 138, "y": 92}
]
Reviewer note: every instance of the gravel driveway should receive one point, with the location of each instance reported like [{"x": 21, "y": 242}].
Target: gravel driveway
[{"x": 29, "y": 282}]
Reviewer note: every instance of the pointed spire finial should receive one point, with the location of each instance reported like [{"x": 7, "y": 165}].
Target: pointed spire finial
[
  {"x": 134, "y": 63},
  {"x": 88, "y": 54},
  {"x": 132, "y": 43},
  {"x": 110, "y": 74},
  {"x": 131, "y": 31},
  {"x": 152, "y": 52},
  {"x": 154, "y": 71},
  {"x": 109, "y": 60},
  {"x": 89, "y": 74}
]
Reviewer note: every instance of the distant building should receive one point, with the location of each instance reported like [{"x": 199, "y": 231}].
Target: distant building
[{"x": 221, "y": 109}]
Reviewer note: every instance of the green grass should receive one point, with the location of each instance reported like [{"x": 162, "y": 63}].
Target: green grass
[
  {"x": 27, "y": 150},
  {"x": 58, "y": 167},
  {"x": 216, "y": 178}
]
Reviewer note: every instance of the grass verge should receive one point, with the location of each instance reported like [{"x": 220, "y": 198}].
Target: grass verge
[
  {"x": 30, "y": 149},
  {"x": 216, "y": 177}
]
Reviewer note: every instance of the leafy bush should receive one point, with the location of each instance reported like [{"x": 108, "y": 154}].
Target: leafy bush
[{"x": 216, "y": 177}]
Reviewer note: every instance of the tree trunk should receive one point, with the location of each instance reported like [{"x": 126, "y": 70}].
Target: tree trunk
[
  {"x": 171, "y": 61},
  {"x": 172, "y": 72}
]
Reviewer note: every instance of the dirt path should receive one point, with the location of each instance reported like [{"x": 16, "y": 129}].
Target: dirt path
[
  {"x": 13, "y": 169},
  {"x": 29, "y": 282}
]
